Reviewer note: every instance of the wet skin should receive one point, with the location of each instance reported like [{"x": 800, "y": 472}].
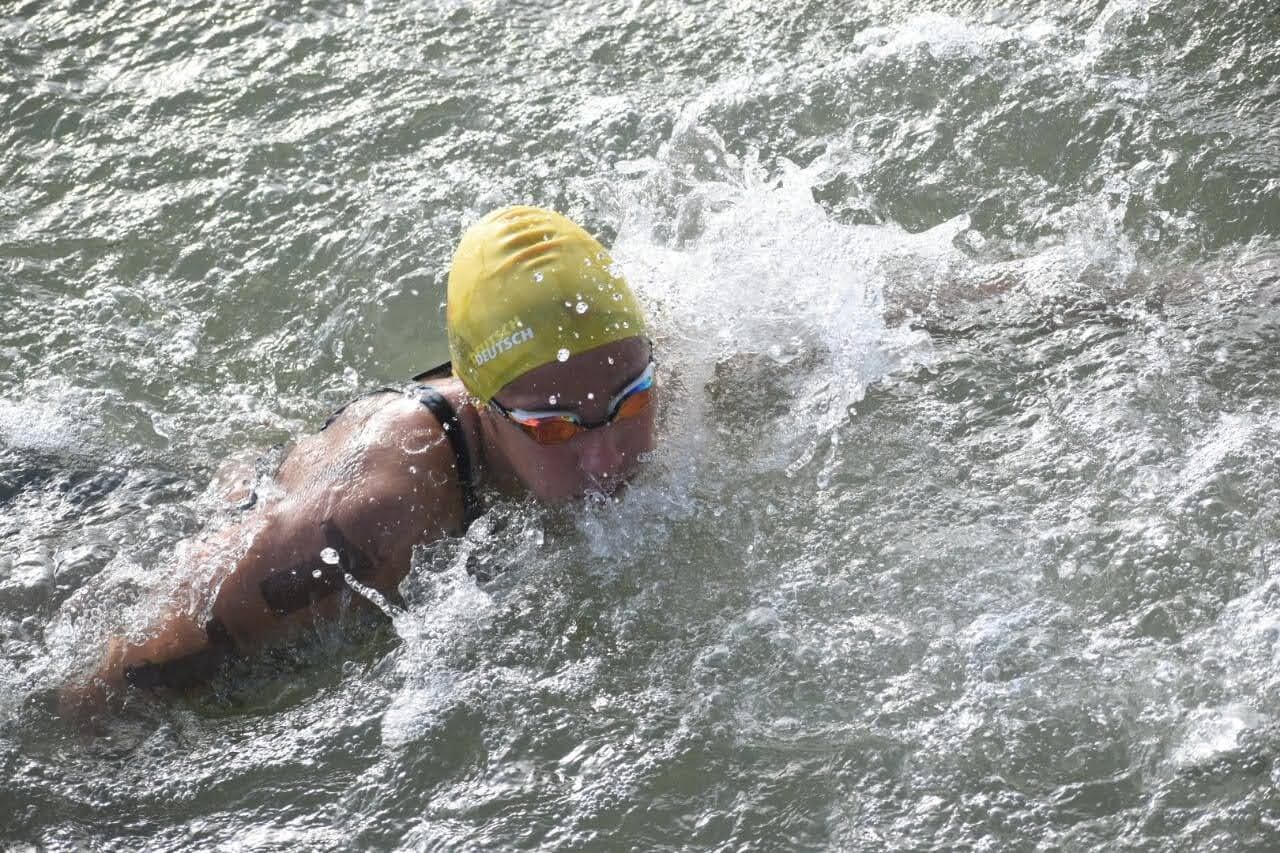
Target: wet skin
[
  {"x": 596, "y": 460},
  {"x": 377, "y": 482}
]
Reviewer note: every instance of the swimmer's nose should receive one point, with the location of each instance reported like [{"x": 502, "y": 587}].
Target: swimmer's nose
[{"x": 599, "y": 454}]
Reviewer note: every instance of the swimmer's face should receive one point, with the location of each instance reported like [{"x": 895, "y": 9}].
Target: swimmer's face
[{"x": 592, "y": 460}]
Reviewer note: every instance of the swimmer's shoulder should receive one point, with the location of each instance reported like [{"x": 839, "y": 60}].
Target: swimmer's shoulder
[
  {"x": 434, "y": 408},
  {"x": 403, "y": 405},
  {"x": 417, "y": 443}
]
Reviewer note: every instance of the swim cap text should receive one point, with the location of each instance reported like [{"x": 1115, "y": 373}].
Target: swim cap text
[{"x": 502, "y": 345}]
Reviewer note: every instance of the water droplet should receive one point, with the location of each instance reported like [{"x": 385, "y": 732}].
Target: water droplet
[
  {"x": 329, "y": 556},
  {"x": 562, "y": 355},
  {"x": 611, "y": 359},
  {"x": 617, "y": 297},
  {"x": 316, "y": 573},
  {"x": 590, "y": 396},
  {"x": 581, "y": 307},
  {"x": 553, "y": 399},
  {"x": 537, "y": 276}
]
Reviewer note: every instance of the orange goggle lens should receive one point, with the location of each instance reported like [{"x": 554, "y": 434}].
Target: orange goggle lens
[
  {"x": 550, "y": 430},
  {"x": 633, "y": 404}
]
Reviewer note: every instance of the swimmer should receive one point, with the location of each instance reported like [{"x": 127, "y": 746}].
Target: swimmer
[{"x": 551, "y": 393}]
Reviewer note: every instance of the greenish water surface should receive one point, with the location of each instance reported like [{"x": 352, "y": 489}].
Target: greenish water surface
[{"x": 962, "y": 534}]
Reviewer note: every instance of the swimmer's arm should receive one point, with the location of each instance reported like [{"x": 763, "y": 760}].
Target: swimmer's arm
[
  {"x": 288, "y": 578},
  {"x": 180, "y": 649},
  {"x": 284, "y": 579},
  {"x": 177, "y": 653},
  {"x": 294, "y": 579}
]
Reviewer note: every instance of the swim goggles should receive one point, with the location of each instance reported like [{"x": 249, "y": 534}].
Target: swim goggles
[{"x": 557, "y": 427}]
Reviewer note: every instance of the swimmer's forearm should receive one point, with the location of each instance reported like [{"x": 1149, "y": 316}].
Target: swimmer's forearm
[
  {"x": 178, "y": 654},
  {"x": 260, "y": 599}
]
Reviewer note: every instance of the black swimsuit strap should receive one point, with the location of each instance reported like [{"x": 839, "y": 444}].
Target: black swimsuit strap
[{"x": 448, "y": 418}]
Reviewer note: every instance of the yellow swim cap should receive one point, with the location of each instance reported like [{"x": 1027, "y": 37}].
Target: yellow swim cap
[{"x": 527, "y": 287}]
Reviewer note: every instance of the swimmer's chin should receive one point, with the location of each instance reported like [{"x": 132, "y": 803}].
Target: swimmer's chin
[
  {"x": 589, "y": 488},
  {"x": 613, "y": 493},
  {"x": 588, "y": 495},
  {"x": 602, "y": 490}
]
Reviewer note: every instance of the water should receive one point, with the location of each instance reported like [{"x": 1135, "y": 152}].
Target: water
[{"x": 962, "y": 533}]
